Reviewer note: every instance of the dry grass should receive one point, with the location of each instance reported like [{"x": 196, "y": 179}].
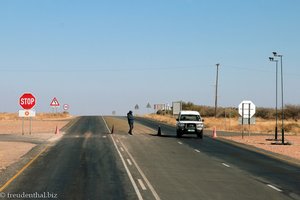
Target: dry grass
[
  {"x": 39, "y": 116},
  {"x": 262, "y": 126}
]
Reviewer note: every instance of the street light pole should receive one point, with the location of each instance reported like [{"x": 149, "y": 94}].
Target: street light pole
[
  {"x": 282, "y": 112},
  {"x": 276, "y": 127},
  {"x": 216, "y": 94}
]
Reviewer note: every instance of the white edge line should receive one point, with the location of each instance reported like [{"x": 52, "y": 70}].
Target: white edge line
[
  {"x": 142, "y": 174},
  {"x": 129, "y": 162},
  {"x": 142, "y": 184},
  {"x": 275, "y": 188},
  {"x": 225, "y": 165},
  {"x": 136, "y": 189}
]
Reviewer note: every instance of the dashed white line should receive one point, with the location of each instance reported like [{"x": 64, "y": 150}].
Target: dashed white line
[
  {"x": 275, "y": 188},
  {"x": 121, "y": 148},
  {"x": 104, "y": 136},
  {"x": 179, "y": 142},
  {"x": 129, "y": 162},
  {"x": 136, "y": 189},
  {"x": 142, "y": 184},
  {"x": 142, "y": 174},
  {"x": 225, "y": 165},
  {"x": 197, "y": 150},
  {"x": 117, "y": 141}
]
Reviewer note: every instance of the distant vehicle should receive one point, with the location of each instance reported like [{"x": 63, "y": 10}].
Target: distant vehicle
[{"x": 189, "y": 122}]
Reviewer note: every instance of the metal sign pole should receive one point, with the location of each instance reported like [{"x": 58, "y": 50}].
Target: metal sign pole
[
  {"x": 249, "y": 119},
  {"x": 30, "y": 119},
  {"x": 22, "y": 125},
  {"x": 243, "y": 121}
]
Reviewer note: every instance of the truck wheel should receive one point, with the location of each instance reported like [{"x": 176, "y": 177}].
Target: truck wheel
[
  {"x": 178, "y": 134},
  {"x": 200, "y": 134}
]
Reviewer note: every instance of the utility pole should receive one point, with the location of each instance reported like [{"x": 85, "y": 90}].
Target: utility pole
[{"x": 216, "y": 94}]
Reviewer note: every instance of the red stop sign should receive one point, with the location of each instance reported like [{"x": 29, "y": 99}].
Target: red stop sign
[{"x": 27, "y": 101}]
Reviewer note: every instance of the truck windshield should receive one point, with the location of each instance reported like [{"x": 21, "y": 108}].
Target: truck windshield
[{"x": 190, "y": 118}]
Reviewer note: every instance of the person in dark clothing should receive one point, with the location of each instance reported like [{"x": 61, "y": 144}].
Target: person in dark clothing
[{"x": 130, "y": 121}]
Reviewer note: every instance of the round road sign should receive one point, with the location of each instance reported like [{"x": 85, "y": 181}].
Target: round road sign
[
  {"x": 247, "y": 108},
  {"x": 27, "y": 101},
  {"x": 66, "y": 106}
]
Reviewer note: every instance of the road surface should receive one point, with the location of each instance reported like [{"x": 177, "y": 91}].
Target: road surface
[{"x": 90, "y": 163}]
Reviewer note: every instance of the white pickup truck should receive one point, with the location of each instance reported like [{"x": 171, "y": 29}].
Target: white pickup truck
[{"x": 189, "y": 122}]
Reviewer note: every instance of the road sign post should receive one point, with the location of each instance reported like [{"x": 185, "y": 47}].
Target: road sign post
[
  {"x": 66, "y": 107},
  {"x": 54, "y": 104},
  {"x": 27, "y": 101},
  {"x": 177, "y": 107},
  {"x": 246, "y": 110}
]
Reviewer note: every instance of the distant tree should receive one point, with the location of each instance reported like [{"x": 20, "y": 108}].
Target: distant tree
[
  {"x": 148, "y": 105},
  {"x": 292, "y": 111},
  {"x": 136, "y": 107}
]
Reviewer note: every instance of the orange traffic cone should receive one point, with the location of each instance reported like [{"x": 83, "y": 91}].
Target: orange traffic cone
[
  {"x": 57, "y": 130},
  {"x": 214, "y": 132}
]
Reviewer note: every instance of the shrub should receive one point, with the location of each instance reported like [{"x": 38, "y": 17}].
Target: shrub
[
  {"x": 292, "y": 112},
  {"x": 265, "y": 113}
]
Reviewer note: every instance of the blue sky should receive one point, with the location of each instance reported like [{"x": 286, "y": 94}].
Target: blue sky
[{"x": 100, "y": 56}]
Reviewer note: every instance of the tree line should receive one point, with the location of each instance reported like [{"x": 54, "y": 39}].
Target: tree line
[{"x": 290, "y": 111}]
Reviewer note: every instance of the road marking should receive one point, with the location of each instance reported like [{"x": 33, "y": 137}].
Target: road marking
[
  {"x": 53, "y": 139},
  {"x": 225, "y": 165},
  {"x": 104, "y": 136},
  {"x": 197, "y": 150},
  {"x": 275, "y": 188},
  {"x": 22, "y": 170},
  {"x": 129, "y": 162},
  {"x": 121, "y": 148},
  {"x": 142, "y": 174},
  {"x": 136, "y": 189},
  {"x": 179, "y": 142},
  {"x": 142, "y": 184}
]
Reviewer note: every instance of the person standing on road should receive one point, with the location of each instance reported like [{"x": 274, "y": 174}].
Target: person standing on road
[{"x": 130, "y": 121}]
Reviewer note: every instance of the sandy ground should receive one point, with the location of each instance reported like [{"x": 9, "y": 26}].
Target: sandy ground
[
  {"x": 12, "y": 151},
  {"x": 37, "y": 126},
  {"x": 261, "y": 142}
]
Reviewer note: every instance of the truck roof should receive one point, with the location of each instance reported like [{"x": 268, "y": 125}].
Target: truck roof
[{"x": 189, "y": 112}]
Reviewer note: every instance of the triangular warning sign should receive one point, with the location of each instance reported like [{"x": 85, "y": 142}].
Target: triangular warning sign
[{"x": 54, "y": 103}]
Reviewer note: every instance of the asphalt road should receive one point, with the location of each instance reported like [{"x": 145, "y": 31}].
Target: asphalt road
[
  {"x": 84, "y": 164},
  {"x": 89, "y": 163}
]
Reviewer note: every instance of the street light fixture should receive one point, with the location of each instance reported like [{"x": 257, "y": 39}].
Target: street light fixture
[
  {"x": 276, "y": 127},
  {"x": 282, "y": 113}
]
